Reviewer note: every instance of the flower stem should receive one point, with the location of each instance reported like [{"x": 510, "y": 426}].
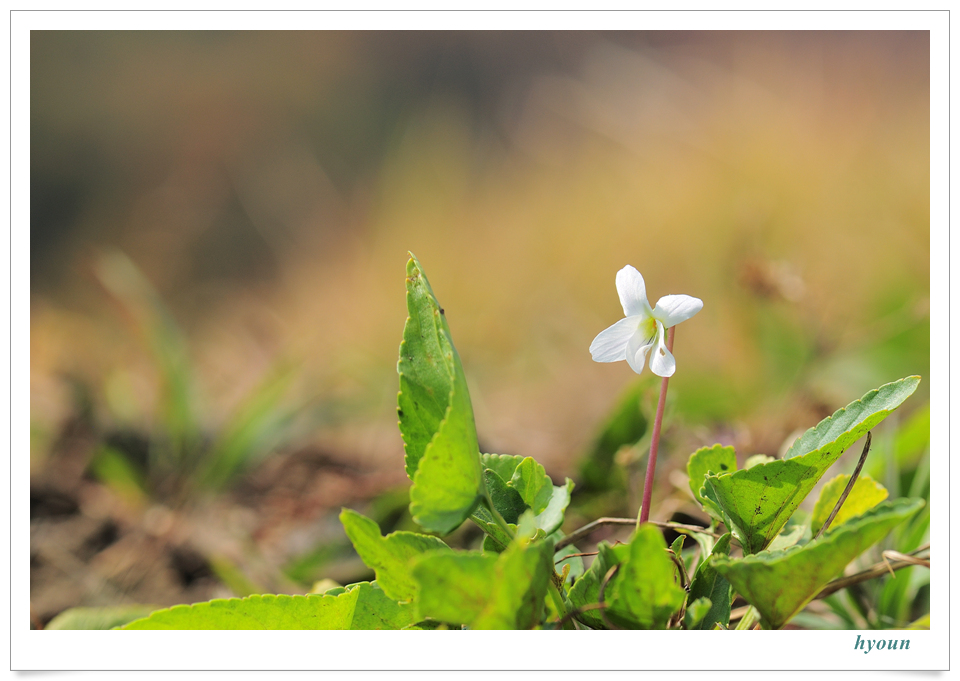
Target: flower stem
[{"x": 655, "y": 441}]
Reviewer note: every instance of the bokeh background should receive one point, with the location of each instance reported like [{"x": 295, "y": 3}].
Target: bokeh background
[{"x": 219, "y": 228}]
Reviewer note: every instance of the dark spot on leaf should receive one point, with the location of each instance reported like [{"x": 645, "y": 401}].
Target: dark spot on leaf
[
  {"x": 723, "y": 466},
  {"x": 400, "y": 412},
  {"x": 441, "y": 310}
]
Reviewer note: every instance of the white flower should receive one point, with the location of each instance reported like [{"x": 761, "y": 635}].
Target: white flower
[{"x": 643, "y": 328}]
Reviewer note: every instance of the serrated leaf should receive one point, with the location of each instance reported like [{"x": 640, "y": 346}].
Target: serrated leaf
[
  {"x": 436, "y": 416},
  {"x": 716, "y": 459},
  {"x": 99, "y": 618},
  {"x": 388, "y": 556},
  {"x": 486, "y": 591},
  {"x": 756, "y": 503},
  {"x": 503, "y": 465},
  {"x": 645, "y": 593},
  {"x": 706, "y": 583},
  {"x": 780, "y": 583},
  {"x": 359, "y": 606},
  {"x": 586, "y": 590},
  {"x": 866, "y": 494},
  {"x": 847, "y": 425}
]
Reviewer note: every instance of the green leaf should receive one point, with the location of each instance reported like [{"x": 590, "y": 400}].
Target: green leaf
[
  {"x": 645, "y": 593},
  {"x": 551, "y": 518},
  {"x": 483, "y": 518},
  {"x": 388, "y": 556},
  {"x": 454, "y": 585},
  {"x": 522, "y": 577},
  {"x": 359, "y": 606},
  {"x": 780, "y": 583},
  {"x": 506, "y": 499},
  {"x": 706, "y": 583},
  {"x": 756, "y": 503},
  {"x": 486, "y": 591},
  {"x": 586, "y": 590},
  {"x": 866, "y": 494},
  {"x": 99, "y": 618},
  {"x": 847, "y": 425},
  {"x": 757, "y": 459},
  {"x": 528, "y": 475},
  {"x": 503, "y": 465},
  {"x": 696, "y": 611},
  {"x": 717, "y": 459},
  {"x": 534, "y": 485},
  {"x": 436, "y": 416}
]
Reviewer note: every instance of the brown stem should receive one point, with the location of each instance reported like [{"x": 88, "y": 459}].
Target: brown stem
[
  {"x": 848, "y": 488},
  {"x": 582, "y": 532},
  {"x": 655, "y": 440},
  {"x": 872, "y": 572}
]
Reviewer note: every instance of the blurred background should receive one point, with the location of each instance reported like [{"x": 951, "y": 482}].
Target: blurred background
[{"x": 220, "y": 224}]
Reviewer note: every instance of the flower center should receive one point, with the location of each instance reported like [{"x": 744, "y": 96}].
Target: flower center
[{"x": 648, "y": 329}]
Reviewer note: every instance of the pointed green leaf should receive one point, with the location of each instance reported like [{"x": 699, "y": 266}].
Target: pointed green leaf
[
  {"x": 645, "y": 593},
  {"x": 677, "y": 546},
  {"x": 837, "y": 432},
  {"x": 756, "y": 503},
  {"x": 586, "y": 590},
  {"x": 486, "y": 591},
  {"x": 359, "y": 606},
  {"x": 706, "y": 583},
  {"x": 388, "y": 556},
  {"x": 780, "y": 583},
  {"x": 436, "y": 416},
  {"x": 717, "y": 459},
  {"x": 866, "y": 494}
]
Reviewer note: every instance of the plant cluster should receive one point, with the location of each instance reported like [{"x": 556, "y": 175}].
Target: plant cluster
[{"x": 528, "y": 573}]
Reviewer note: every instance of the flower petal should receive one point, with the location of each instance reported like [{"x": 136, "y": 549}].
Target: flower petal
[
  {"x": 633, "y": 292},
  {"x": 671, "y": 310},
  {"x": 637, "y": 350},
  {"x": 662, "y": 362},
  {"x": 610, "y": 345}
]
